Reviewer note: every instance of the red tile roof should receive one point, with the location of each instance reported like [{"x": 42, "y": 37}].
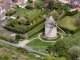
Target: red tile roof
[{"x": 77, "y": 8}]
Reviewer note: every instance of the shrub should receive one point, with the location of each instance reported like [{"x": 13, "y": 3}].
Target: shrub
[
  {"x": 28, "y": 7},
  {"x": 19, "y": 37}
]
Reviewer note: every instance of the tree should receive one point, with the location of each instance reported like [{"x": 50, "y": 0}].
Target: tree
[
  {"x": 55, "y": 14},
  {"x": 74, "y": 52},
  {"x": 51, "y": 4},
  {"x": 21, "y": 28},
  {"x": 22, "y": 20},
  {"x": 13, "y": 22},
  {"x": 50, "y": 50},
  {"x": 61, "y": 48},
  {"x": 58, "y": 5}
]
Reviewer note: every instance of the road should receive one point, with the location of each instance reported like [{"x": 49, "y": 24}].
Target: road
[{"x": 26, "y": 47}]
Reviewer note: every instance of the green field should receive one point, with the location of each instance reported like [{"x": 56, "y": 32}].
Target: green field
[
  {"x": 39, "y": 45},
  {"x": 68, "y": 23}
]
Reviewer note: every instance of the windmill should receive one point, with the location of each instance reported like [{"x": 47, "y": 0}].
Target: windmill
[{"x": 51, "y": 28}]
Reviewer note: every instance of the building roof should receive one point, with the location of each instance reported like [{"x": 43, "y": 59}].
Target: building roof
[
  {"x": 50, "y": 20},
  {"x": 65, "y": 1},
  {"x": 78, "y": 8}
]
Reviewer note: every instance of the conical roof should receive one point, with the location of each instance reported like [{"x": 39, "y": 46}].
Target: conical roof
[{"x": 50, "y": 20}]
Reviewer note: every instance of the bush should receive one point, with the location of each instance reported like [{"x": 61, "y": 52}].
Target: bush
[
  {"x": 28, "y": 7},
  {"x": 19, "y": 37}
]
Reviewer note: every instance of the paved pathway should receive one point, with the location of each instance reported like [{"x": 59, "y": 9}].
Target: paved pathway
[
  {"x": 23, "y": 43},
  {"x": 23, "y": 46}
]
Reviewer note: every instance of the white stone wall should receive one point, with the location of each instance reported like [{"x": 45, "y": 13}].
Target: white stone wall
[{"x": 53, "y": 32}]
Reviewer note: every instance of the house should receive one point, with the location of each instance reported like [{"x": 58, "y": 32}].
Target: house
[
  {"x": 65, "y": 1},
  {"x": 32, "y": 0},
  {"x": 75, "y": 3},
  {"x": 22, "y": 5},
  {"x": 77, "y": 8}
]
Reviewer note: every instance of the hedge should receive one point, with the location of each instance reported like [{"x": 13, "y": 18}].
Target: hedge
[
  {"x": 6, "y": 38},
  {"x": 31, "y": 18},
  {"x": 71, "y": 13},
  {"x": 75, "y": 30},
  {"x": 71, "y": 31},
  {"x": 12, "y": 29},
  {"x": 68, "y": 13},
  {"x": 35, "y": 30},
  {"x": 36, "y": 24}
]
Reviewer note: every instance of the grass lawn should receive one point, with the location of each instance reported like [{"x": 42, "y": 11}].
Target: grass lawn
[
  {"x": 68, "y": 22},
  {"x": 39, "y": 45},
  {"x": 73, "y": 40}
]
